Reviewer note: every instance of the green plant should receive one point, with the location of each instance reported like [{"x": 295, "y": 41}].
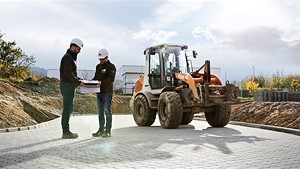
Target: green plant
[
  {"x": 252, "y": 86},
  {"x": 295, "y": 84},
  {"x": 277, "y": 82},
  {"x": 13, "y": 61}
]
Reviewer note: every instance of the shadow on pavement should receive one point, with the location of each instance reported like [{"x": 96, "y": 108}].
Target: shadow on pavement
[
  {"x": 29, "y": 145},
  {"x": 129, "y": 144}
]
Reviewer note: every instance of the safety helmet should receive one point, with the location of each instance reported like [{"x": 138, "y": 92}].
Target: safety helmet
[
  {"x": 102, "y": 53},
  {"x": 77, "y": 42}
]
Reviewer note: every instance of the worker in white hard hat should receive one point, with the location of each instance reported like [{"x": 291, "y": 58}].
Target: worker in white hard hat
[
  {"x": 68, "y": 83},
  {"x": 105, "y": 74}
]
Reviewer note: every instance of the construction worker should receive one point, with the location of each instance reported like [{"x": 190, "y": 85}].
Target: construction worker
[
  {"x": 105, "y": 74},
  {"x": 68, "y": 83}
]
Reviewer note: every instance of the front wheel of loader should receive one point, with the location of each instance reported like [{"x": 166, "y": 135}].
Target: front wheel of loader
[
  {"x": 142, "y": 114},
  {"x": 220, "y": 117},
  {"x": 169, "y": 110}
]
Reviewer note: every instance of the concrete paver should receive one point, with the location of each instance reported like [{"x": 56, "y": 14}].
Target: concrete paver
[{"x": 190, "y": 146}]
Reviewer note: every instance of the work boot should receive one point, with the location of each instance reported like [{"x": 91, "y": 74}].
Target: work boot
[
  {"x": 69, "y": 135},
  {"x": 98, "y": 133},
  {"x": 106, "y": 134}
]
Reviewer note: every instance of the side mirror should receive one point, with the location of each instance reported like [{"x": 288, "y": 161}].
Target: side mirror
[
  {"x": 195, "y": 54},
  {"x": 151, "y": 51}
]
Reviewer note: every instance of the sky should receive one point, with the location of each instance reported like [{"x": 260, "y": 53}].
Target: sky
[{"x": 242, "y": 37}]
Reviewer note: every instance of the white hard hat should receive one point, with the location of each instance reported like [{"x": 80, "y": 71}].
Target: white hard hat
[
  {"x": 77, "y": 42},
  {"x": 102, "y": 53}
]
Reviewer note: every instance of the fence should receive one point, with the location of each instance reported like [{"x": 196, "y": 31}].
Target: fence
[{"x": 276, "y": 96}]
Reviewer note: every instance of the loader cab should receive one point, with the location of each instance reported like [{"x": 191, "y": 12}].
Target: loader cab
[{"x": 162, "y": 62}]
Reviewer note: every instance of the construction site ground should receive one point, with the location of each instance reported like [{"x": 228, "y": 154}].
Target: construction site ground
[{"x": 33, "y": 102}]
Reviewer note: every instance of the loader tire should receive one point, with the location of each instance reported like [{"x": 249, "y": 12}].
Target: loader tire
[
  {"x": 142, "y": 113},
  {"x": 220, "y": 117},
  {"x": 187, "y": 118},
  {"x": 169, "y": 110}
]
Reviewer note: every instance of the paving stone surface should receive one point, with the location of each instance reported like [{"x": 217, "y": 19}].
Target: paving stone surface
[{"x": 190, "y": 146}]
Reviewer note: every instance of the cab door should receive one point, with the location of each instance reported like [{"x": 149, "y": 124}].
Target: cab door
[{"x": 155, "y": 78}]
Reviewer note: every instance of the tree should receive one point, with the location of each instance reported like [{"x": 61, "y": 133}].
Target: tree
[
  {"x": 295, "y": 84},
  {"x": 1, "y": 63},
  {"x": 268, "y": 83},
  {"x": 260, "y": 80},
  {"x": 277, "y": 82},
  {"x": 252, "y": 86},
  {"x": 13, "y": 61},
  {"x": 289, "y": 79}
]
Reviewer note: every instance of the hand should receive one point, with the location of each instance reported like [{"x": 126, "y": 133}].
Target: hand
[
  {"x": 99, "y": 83},
  {"x": 81, "y": 84}
]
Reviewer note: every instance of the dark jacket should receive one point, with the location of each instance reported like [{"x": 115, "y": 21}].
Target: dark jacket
[
  {"x": 68, "y": 68},
  {"x": 105, "y": 73}
]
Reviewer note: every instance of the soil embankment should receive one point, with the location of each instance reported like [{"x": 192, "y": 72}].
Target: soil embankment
[{"x": 33, "y": 102}]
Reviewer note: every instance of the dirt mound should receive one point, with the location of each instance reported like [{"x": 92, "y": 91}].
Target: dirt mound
[
  {"x": 120, "y": 105},
  {"x": 30, "y": 80},
  {"x": 7, "y": 88},
  {"x": 32, "y": 102},
  {"x": 36, "y": 101},
  {"x": 20, "y": 106},
  {"x": 48, "y": 80},
  {"x": 86, "y": 104},
  {"x": 283, "y": 114}
]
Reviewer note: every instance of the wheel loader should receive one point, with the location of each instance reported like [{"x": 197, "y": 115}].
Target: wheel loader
[{"x": 171, "y": 89}]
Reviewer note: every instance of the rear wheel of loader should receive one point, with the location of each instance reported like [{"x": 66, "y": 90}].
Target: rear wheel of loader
[
  {"x": 187, "y": 118},
  {"x": 142, "y": 114},
  {"x": 220, "y": 117},
  {"x": 169, "y": 110}
]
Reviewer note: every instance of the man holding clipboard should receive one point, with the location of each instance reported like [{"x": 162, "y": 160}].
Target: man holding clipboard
[{"x": 105, "y": 74}]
